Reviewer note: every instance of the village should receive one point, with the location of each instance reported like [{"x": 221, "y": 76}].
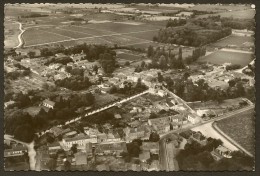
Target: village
[{"x": 129, "y": 88}]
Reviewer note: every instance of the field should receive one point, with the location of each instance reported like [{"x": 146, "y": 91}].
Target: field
[
  {"x": 105, "y": 33},
  {"x": 218, "y": 8},
  {"x": 11, "y": 34},
  {"x": 240, "y": 14},
  {"x": 221, "y": 57},
  {"x": 238, "y": 41},
  {"x": 240, "y": 128}
]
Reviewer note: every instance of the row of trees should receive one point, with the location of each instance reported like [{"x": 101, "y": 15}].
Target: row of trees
[
  {"x": 75, "y": 82},
  {"x": 176, "y": 22},
  {"x": 189, "y": 37}
]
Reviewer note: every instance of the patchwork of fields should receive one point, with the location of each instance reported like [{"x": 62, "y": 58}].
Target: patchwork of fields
[
  {"x": 241, "y": 129},
  {"x": 221, "y": 57},
  {"x": 105, "y": 33}
]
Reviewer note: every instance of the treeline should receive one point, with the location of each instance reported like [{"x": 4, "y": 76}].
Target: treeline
[
  {"x": 196, "y": 32},
  {"x": 75, "y": 82},
  {"x": 175, "y": 22},
  {"x": 163, "y": 59},
  {"x": 188, "y": 36},
  {"x": 23, "y": 71},
  {"x": 104, "y": 54},
  {"x": 61, "y": 60},
  {"x": 238, "y": 24},
  {"x": 34, "y": 15}
]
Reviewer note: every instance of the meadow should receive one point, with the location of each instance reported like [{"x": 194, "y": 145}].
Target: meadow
[
  {"x": 221, "y": 57},
  {"x": 240, "y": 128}
]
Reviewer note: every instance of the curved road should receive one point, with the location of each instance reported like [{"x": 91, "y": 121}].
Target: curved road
[{"x": 20, "y": 36}]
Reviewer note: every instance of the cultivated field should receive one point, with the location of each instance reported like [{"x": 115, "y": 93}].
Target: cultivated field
[
  {"x": 241, "y": 129},
  {"x": 240, "y": 14},
  {"x": 11, "y": 33},
  {"x": 218, "y": 8},
  {"x": 221, "y": 57},
  {"x": 105, "y": 33},
  {"x": 238, "y": 41}
]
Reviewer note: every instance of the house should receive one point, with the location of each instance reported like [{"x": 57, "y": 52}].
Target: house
[
  {"x": 184, "y": 14},
  {"x": 171, "y": 102},
  {"x": 15, "y": 151},
  {"x": 56, "y": 131},
  {"x": 161, "y": 125},
  {"x": 154, "y": 166},
  {"x": 102, "y": 167},
  {"x": 113, "y": 137},
  {"x": 162, "y": 93},
  {"x": 199, "y": 137},
  {"x": 49, "y": 104},
  {"x": 9, "y": 103},
  {"x": 193, "y": 118},
  {"x": 152, "y": 147},
  {"x": 53, "y": 147},
  {"x": 178, "y": 118},
  {"x": 101, "y": 137},
  {"x": 44, "y": 158},
  {"x": 221, "y": 152},
  {"x": 134, "y": 133},
  {"x": 144, "y": 155},
  {"x": 115, "y": 148},
  {"x": 80, "y": 140},
  {"x": 80, "y": 158},
  {"x": 89, "y": 149}
]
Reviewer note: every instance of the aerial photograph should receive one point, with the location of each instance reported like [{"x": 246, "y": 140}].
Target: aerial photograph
[{"x": 129, "y": 87}]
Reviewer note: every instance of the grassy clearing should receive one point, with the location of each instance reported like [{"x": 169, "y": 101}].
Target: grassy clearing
[
  {"x": 221, "y": 57},
  {"x": 241, "y": 128}
]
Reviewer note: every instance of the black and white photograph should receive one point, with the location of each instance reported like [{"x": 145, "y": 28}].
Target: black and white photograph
[{"x": 129, "y": 87}]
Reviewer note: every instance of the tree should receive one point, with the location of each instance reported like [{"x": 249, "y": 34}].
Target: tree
[
  {"x": 127, "y": 63},
  {"x": 74, "y": 148},
  {"x": 154, "y": 137},
  {"x": 150, "y": 51},
  {"x": 142, "y": 64},
  {"x": 31, "y": 54},
  {"x": 52, "y": 164},
  {"x": 67, "y": 165},
  {"x": 24, "y": 133},
  {"x": 160, "y": 77}
]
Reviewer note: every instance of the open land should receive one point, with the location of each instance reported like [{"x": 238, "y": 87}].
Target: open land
[
  {"x": 241, "y": 129},
  {"x": 221, "y": 57}
]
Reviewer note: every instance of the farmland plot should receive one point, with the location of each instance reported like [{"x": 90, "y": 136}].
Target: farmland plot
[
  {"x": 221, "y": 57},
  {"x": 239, "y": 41},
  {"x": 34, "y": 36},
  {"x": 240, "y": 128}
]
